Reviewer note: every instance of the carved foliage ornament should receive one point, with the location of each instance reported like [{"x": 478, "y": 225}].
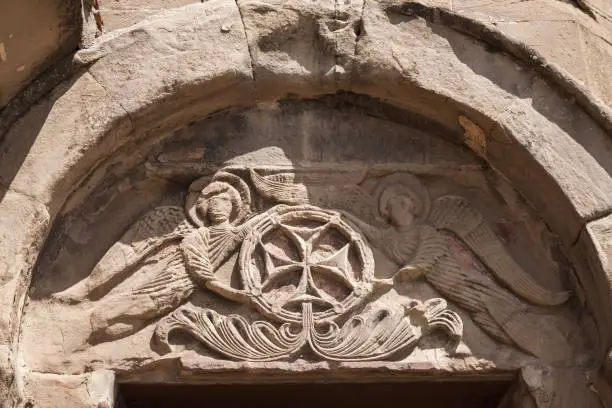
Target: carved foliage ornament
[{"x": 310, "y": 271}]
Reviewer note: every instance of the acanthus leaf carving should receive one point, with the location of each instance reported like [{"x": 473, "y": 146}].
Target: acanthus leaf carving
[{"x": 362, "y": 338}]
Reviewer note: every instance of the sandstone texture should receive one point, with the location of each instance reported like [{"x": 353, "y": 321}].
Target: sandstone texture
[
  {"x": 324, "y": 190},
  {"x": 33, "y": 37}
]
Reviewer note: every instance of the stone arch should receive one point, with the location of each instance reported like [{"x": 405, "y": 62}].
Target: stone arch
[{"x": 139, "y": 84}]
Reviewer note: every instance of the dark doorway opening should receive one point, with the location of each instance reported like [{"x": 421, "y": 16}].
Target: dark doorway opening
[{"x": 430, "y": 394}]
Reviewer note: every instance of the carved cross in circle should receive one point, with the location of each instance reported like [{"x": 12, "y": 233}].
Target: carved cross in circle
[
  {"x": 305, "y": 255},
  {"x": 334, "y": 265}
]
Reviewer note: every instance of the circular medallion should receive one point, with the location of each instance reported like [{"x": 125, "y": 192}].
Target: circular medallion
[{"x": 305, "y": 254}]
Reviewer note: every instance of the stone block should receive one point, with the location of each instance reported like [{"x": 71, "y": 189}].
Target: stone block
[
  {"x": 568, "y": 180},
  {"x": 598, "y": 57},
  {"x": 23, "y": 227},
  {"x": 281, "y": 38},
  {"x": 43, "y": 155},
  {"x": 592, "y": 256},
  {"x": 124, "y": 13},
  {"x": 94, "y": 390},
  {"x": 568, "y": 53},
  {"x": 511, "y": 11},
  {"x": 185, "y": 62}
]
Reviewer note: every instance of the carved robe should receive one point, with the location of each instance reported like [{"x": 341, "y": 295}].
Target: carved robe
[{"x": 207, "y": 248}]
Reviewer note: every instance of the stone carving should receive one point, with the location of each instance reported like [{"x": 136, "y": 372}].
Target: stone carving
[
  {"x": 447, "y": 242},
  {"x": 310, "y": 271},
  {"x": 329, "y": 264},
  {"x": 305, "y": 265},
  {"x": 339, "y": 191},
  {"x": 363, "y": 337},
  {"x": 192, "y": 244}
]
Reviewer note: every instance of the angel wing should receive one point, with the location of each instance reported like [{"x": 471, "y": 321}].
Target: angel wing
[
  {"x": 280, "y": 187},
  {"x": 498, "y": 312},
  {"x": 457, "y": 215},
  {"x": 157, "y": 228},
  {"x": 346, "y": 197},
  {"x": 335, "y": 191}
]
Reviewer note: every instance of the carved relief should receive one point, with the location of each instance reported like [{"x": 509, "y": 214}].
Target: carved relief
[
  {"x": 301, "y": 245},
  {"x": 441, "y": 241},
  {"x": 302, "y": 255}
]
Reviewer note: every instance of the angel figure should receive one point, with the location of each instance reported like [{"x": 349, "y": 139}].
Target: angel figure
[
  {"x": 176, "y": 249},
  {"x": 446, "y": 242}
]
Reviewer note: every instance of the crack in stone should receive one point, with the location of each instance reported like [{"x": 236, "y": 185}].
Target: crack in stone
[
  {"x": 24, "y": 194},
  {"x": 359, "y": 35},
  {"x": 248, "y": 44},
  {"x": 113, "y": 98},
  {"x": 336, "y": 50}
]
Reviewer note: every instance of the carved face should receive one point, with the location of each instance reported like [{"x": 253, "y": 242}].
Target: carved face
[
  {"x": 219, "y": 208},
  {"x": 402, "y": 210}
]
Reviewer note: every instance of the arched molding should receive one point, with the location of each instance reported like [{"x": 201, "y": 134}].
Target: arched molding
[{"x": 141, "y": 83}]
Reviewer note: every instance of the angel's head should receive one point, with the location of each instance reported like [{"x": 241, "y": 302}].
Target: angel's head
[
  {"x": 400, "y": 205},
  {"x": 218, "y": 202}
]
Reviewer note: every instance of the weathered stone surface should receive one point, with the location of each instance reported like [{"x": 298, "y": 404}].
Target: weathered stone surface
[
  {"x": 598, "y": 56},
  {"x": 45, "y": 154},
  {"x": 536, "y": 24},
  {"x": 33, "y": 36},
  {"x": 602, "y": 381},
  {"x": 563, "y": 388},
  {"x": 23, "y": 227},
  {"x": 188, "y": 62},
  {"x": 7, "y": 375},
  {"x": 593, "y": 257},
  {"x": 93, "y": 390},
  {"x": 398, "y": 58},
  {"x": 124, "y": 13},
  {"x": 510, "y": 11},
  {"x": 175, "y": 263},
  {"x": 557, "y": 157},
  {"x": 407, "y": 54},
  {"x": 570, "y": 54},
  {"x": 106, "y": 142},
  {"x": 281, "y": 36}
]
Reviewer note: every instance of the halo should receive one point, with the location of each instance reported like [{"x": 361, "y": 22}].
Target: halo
[
  {"x": 405, "y": 181},
  {"x": 195, "y": 189}
]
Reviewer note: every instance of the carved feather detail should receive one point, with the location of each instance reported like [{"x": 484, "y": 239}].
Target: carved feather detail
[
  {"x": 496, "y": 311},
  {"x": 157, "y": 228},
  {"x": 531, "y": 331},
  {"x": 277, "y": 188},
  {"x": 325, "y": 190},
  {"x": 457, "y": 215}
]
